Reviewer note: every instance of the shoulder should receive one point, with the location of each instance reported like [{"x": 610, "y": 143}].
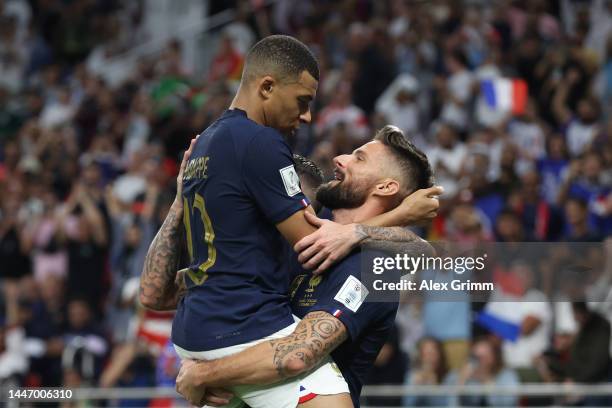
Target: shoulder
[
  {"x": 348, "y": 266},
  {"x": 265, "y": 139}
]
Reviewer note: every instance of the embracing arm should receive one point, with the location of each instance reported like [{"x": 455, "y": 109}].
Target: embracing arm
[
  {"x": 160, "y": 286},
  {"x": 332, "y": 241},
  {"x": 395, "y": 239},
  {"x": 319, "y": 251},
  {"x": 274, "y": 360},
  {"x": 296, "y": 227},
  {"x": 422, "y": 205}
]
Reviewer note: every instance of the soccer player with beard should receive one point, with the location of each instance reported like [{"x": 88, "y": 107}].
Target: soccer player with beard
[
  {"x": 335, "y": 319},
  {"x": 239, "y": 198}
]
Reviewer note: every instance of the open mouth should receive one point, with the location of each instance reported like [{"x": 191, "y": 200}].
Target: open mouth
[{"x": 338, "y": 175}]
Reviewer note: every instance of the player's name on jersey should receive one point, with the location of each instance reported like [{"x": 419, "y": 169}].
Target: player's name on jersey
[{"x": 196, "y": 168}]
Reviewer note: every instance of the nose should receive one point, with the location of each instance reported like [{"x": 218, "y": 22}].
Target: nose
[
  {"x": 306, "y": 117},
  {"x": 340, "y": 161}
]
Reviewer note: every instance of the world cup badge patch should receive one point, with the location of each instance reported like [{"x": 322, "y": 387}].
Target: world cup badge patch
[{"x": 291, "y": 180}]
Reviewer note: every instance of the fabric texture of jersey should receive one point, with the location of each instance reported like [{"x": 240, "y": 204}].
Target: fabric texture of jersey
[
  {"x": 368, "y": 325},
  {"x": 238, "y": 183}
]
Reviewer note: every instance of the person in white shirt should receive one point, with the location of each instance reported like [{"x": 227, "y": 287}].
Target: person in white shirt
[
  {"x": 532, "y": 312},
  {"x": 447, "y": 158},
  {"x": 398, "y": 104},
  {"x": 458, "y": 91}
]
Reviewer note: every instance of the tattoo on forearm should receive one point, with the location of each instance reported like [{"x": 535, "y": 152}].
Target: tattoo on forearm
[
  {"x": 315, "y": 337},
  {"x": 158, "y": 289},
  {"x": 386, "y": 234},
  {"x": 394, "y": 239}
]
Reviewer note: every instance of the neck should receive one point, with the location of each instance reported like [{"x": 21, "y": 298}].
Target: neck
[
  {"x": 245, "y": 101},
  {"x": 370, "y": 209}
]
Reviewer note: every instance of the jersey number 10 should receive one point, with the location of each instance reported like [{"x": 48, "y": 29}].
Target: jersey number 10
[{"x": 199, "y": 275}]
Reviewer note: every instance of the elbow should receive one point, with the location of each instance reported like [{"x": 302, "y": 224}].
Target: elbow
[
  {"x": 427, "y": 249},
  {"x": 149, "y": 303},
  {"x": 146, "y": 303}
]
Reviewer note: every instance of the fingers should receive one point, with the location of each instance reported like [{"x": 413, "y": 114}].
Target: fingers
[
  {"x": 190, "y": 148},
  {"x": 313, "y": 219},
  {"x": 433, "y": 191},
  {"x": 187, "y": 153},
  {"x": 214, "y": 401},
  {"x": 315, "y": 261},
  {"x": 306, "y": 254},
  {"x": 329, "y": 261},
  {"x": 305, "y": 242},
  {"x": 221, "y": 393},
  {"x": 217, "y": 397}
]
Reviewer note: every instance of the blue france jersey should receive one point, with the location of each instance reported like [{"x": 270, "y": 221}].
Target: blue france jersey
[
  {"x": 368, "y": 323},
  {"x": 239, "y": 182}
]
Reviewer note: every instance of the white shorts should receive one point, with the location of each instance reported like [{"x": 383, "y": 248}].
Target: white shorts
[{"x": 324, "y": 379}]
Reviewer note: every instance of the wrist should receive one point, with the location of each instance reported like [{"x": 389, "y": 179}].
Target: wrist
[
  {"x": 201, "y": 377},
  {"x": 406, "y": 215},
  {"x": 360, "y": 233}
]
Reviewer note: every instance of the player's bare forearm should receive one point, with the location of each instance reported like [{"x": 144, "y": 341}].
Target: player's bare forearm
[
  {"x": 159, "y": 287},
  {"x": 317, "y": 335},
  {"x": 420, "y": 206},
  {"x": 388, "y": 219},
  {"x": 271, "y": 361},
  {"x": 395, "y": 239}
]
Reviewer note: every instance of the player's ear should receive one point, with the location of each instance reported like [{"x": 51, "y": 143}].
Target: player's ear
[
  {"x": 267, "y": 85},
  {"x": 386, "y": 187}
]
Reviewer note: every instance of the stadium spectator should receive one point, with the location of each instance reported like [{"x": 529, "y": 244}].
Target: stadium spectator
[
  {"x": 576, "y": 213},
  {"x": 456, "y": 90},
  {"x": 447, "y": 158},
  {"x": 527, "y": 307},
  {"x": 430, "y": 368},
  {"x": 585, "y": 358},
  {"x": 486, "y": 366},
  {"x": 13, "y": 359}
]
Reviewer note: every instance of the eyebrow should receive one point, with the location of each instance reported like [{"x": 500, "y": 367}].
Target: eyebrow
[{"x": 360, "y": 152}]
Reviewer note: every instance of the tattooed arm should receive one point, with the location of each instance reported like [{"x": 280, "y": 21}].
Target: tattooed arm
[
  {"x": 319, "y": 250},
  {"x": 315, "y": 253},
  {"x": 161, "y": 287},
  {"x": 396, "y": 240},
  {"x": 318, "y": 334}
]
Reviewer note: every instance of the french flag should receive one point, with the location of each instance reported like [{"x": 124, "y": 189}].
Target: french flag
[
  {"x": 505, "y": 94},
  {"x": 499, "y": 325}
]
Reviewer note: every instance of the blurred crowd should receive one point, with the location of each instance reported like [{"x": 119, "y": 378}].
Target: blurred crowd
[{"x": 88, "y": 158}]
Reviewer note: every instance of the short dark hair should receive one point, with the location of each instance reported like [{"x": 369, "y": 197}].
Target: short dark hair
[
  {"x": 308, "y": 169},
  {"x": 281, "y": 56},
  {"x": 413, "y": 163}
]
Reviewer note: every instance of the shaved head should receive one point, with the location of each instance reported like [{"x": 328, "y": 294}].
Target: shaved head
[{"x": 281, "y": 57}]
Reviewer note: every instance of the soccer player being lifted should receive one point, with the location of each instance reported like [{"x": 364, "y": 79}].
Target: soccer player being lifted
[
  {"x": 336, "y": 316},
  {"x": 238, "y": 198}
]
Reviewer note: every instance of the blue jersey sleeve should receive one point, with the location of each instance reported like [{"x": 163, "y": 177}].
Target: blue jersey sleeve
[
  {"x": 270, "y": 177},
  {"x": 345, "y": 300}
]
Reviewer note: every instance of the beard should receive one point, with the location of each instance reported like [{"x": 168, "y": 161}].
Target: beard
[{"x": 334, "y": 195}]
